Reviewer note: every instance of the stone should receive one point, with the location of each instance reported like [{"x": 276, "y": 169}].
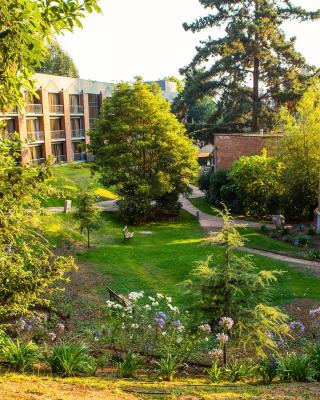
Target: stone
[
  {"x": 279, "y": 221},
  {"x": 67, "y": 206}
]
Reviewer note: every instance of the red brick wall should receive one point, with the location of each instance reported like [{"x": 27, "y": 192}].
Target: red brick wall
[{"x": 229, "y": 148}]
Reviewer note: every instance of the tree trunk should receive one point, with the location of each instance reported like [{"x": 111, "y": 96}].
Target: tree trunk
[
  {"x": 88, "y": 236},
  {"x": 256, "y": 78}
]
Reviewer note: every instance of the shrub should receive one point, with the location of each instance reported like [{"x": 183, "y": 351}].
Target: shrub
[
  {"x": 72, "y": 360},
  {"x": 314, "y": 254},
  {"x": 298, "y": 368},
  {"x": 237, "y": 370},
  {"x": 168, "y": 365},
  {"x": 267, "y": 369},
  {"x": 20, "y": 357},
  {"x": 129, "y": 366},
  {"x": 215, "y": 372},
  {"x": 314, "y": 356}
]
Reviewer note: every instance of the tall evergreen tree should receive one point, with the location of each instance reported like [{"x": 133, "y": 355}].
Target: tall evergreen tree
[{"x": 253, "y": 59}]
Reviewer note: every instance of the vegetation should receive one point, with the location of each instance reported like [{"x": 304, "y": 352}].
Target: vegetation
[
  {"x": 25, "y": 30},
  {"x": 88, "y": 213},
  {"x": 58, "y": 62},
  {"x": 20, "y": 357},
  {"x": 128, "y": 367},
  {"x": 142, "y": 149},
  {"x": 254, "y": 48}
]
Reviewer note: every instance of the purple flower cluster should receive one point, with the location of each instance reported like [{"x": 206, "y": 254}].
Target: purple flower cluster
[
  {"x": 222, "y": 337},
  {"x": 205, "y": 328},
  {"x": 216, "y": 353},
  {"x": 296, "y": 327},
  {"x": 273, "y": 363},
  {"x": 25, "y": 324},
  {"x": 226, "y": 323},
  {"x": 177, "y": 323}
]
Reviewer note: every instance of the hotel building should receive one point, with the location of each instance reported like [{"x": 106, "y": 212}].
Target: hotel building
[{"x": 56, "y": 122}]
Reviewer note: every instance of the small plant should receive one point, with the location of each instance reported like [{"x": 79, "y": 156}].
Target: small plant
[
  {"x": 314, "y": 254},
  {"x": 215, "y": 372},
  {"x": 237, "y": 370},
  {"x": 264, "y": 228},
  {"x": 314, "y": 356},
  {"x": 20, "y": 357},
  {"x": 298, "y": 368},
  {"x": 72, "y": 360},
  {"x": 267, "y": 369},
  {"x": 168, "y": 367},
  {"x": 129, "y": 366}
]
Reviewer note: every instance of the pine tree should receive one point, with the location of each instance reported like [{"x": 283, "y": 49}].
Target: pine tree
[{"x": 253, "y": 59}]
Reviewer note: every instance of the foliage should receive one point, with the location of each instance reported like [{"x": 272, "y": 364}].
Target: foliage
[
  {"x": 299, "y": 150},
  {"x": 88, "y": 213},
  {"x": 20, "y": 357},
  {"x": 26, "y": 26},
  {"x": 71, "y": 360},
  {"x": 236, "y": 370},
  {"x": 296, "y": 367},
  {"x": 129, "y": 366},
  {"x": 28, "y": 268},
  {"x": 168, "y": 366},
  {"x": 141, "y": 147},
  {"x": 234, "y": 287},
  {"x": 58, "y": 62},
  {"x": 267, "y": 369},
  {"x": 215, "y": 372},
  {"x": 153, "y": 326},
  {"x": 257, "y": 179},
  {"x": 253, "y": 49}
]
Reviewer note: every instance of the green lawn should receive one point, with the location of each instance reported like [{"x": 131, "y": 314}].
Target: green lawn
[
  {"x": 71, "y": 178},
  {"x": 159, "y": 260}
]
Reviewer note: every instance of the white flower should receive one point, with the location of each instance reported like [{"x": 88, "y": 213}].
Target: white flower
[
  {"x": 110, "y": 303},
  {"x": 174, "y": 309},
  {"x": 222, "y": 337},
  {"x": 134, "y": 296},
  {"x": 180, "y": 328},
  {"x": 169, "y": 299},
  {"x": 135, "y": 326},
  {"x": 155, "y": 304},
  {"x": 159, "y": 296},
  {"x": 206, "y": 339},
  {"x": 205, "y": 328},
  {"x": 147, "y": 307},
  {"x": 164, "y": 334},
  {"x": 179, "y": 339},
  {"x": 216, "y": 353},
  {"x": 151, "y": 298},
  {"x": 149, "y": 326},
  {"x": 226, "y": 322}
]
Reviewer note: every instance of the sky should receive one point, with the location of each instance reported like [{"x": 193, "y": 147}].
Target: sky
[{"x": 146, "y": 38}]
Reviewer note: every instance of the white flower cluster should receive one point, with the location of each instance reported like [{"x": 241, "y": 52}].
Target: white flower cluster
[
  {"x": 134, "y": 296},
  {"x": 112, "y": 304},
  {"x": 173, "y": 309}
]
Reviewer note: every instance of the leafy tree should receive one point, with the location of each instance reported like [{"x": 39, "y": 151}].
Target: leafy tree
[
  {"x": 140, "y": 147},
  {"x": 58, "y": 62},
  {"x": 253, "y": 61},
  {"x": 232, "y": 286},
  {"x": 257, "y": 178},
  {"x": 28, "y": 268},
  {"x": 26, "y": 26},
  {"x": 88, "y": 213},
  {"x": 299, "y": 150}
]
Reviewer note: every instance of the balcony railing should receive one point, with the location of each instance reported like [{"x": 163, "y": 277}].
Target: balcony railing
[
  {"x": 56, "y": 108},
  {"x": 76, "y": 109},
  {"x": 36, "y": 161},
  {"x": 13, "y": 111},
  {"x": 58, "y": 135},
  {"x": 80, "y": 157},
  {"x": 77, "y": 133},
  {"x": 37, "y": 137},
  {"x": 60, "y": 158},
  {"x": 34, "y": 108}
]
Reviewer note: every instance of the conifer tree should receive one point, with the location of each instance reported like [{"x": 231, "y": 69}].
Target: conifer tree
[{"x": 253, "y": 59}]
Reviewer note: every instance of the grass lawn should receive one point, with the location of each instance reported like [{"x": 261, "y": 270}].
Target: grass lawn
[
  {"x": 72, "y": 178},
  {"x": 161, "y": 255},
  {"x": 31, "y": 387}
]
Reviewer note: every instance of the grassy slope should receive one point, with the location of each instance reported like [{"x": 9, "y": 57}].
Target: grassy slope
[
  {"x": 159, "y": 261},
  {"x": 72, "y": 178}
]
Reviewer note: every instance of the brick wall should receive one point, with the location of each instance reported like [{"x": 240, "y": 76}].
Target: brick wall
[{"x": 229, "y": 148}]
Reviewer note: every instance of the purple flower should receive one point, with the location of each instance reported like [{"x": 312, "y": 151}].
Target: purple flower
[
  {"x": 222, "y": 337},
  {"x": 273, "y": 362},
  {"x": 52, "y": 336},
  {"x": 162, "y": 315},
  {"x": 216, "y": 353},
  {"x": 177, "y": 323},
  {"x": 226, "y": 323},
  {"x": 315, "y": 312},
  {"x": 60, "y": 327},
  {"x": 161, "y": 322},
  {"x": 205, "y": 328},
  {"x": 296, "y": 327}
]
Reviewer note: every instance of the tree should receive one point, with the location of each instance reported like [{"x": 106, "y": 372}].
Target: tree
[
  {"x": 58, "y": 62},
  {"x": 26, "y": 27},
  {"x": 232, "y": 286},
  {"x": 299, "y": 151},
  {"x": 88, "y": 213},
  {"x": 140, "y": 146},
  {"x": 29, "y": 269},
  {"x": 253, "y": 60},
  {"x": 177, "y": 81}
]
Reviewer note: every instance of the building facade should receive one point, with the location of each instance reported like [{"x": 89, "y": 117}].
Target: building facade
[{"x": 56, "y": 122}]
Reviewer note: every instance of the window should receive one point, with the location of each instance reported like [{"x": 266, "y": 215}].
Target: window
[
  {"x": 74, "y": 99},
  {"x": 33, "y": 125},
  {"x": 35, "y": 152},
  {"x": 76, "y": 124},
  {"x": 9, "y": 125},
  {"x": 55, "y": 124},
  {"x": 54, "y": 99}
]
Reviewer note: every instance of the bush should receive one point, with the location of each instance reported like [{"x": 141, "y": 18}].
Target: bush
[
  {"x": 19, "y": 357},
  {"x": 267, "y": 369},
  {"x": 215, "y": 372},
  {"x": 314, "y": 254},
  {"x": 129, "y": 366},
  {"x": 237, "y": 370},
  {"x": 298, "y": 368},
  {"x": 314, "y": 356},
  {"x": 72, "y": 360},
  {"x": 168, "y": 365}
]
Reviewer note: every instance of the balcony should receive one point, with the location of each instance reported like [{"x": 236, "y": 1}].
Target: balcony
[
  {"x": 13, "y": 111},
  {"x": 36, "y": 161},
  {"x": 36, "y": 137},
  {"x": 56, "y": 109},
  {"x": 78, "y": 134},
  {"x": 34, "y": 108},
  {"x": 76, "y": 109},
  {"x": 80, "y": 156},
  {"x": 58, "y": 135},
  {"x": 60, "y": 158}
]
